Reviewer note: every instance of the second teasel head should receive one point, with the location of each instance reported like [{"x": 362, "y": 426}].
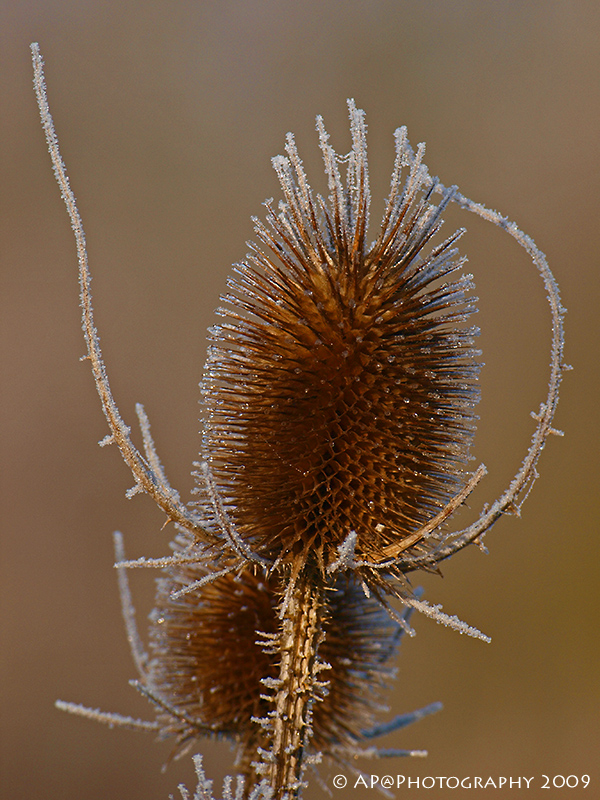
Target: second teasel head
[
  {"x": 214, "y": 653},
  {"x": 340, "y": 386}
]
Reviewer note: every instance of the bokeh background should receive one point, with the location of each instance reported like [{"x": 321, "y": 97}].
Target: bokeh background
[{"x": 168, "y": 114}]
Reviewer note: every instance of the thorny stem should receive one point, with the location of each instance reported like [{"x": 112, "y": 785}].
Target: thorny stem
[{"x": 295, "y": 689}]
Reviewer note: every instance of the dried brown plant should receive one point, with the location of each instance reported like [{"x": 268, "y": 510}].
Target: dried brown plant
[{"x": 339, "y": 395}]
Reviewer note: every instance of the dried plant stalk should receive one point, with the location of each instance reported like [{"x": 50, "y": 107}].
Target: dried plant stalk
[
  {"x": 294, "y": 688},
  {"x": 339, "y": 392}
]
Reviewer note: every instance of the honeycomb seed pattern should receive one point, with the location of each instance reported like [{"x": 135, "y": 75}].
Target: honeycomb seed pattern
[{"x": 340, "y": 385}]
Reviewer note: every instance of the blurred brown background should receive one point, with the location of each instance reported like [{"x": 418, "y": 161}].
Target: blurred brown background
[{"x": 168, "y": 114}]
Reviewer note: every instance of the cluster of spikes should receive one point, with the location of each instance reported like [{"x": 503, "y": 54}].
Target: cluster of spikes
[{"x": 338, "y": 412}]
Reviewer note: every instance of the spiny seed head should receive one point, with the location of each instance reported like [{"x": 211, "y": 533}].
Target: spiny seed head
[
  {"x": 340, "y": 386},
  {"x": 214, "y": 658},
  {"x": 206, "y": 661}
]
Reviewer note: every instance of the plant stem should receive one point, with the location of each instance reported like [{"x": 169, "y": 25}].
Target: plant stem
[{"x": 300, "y": 637}]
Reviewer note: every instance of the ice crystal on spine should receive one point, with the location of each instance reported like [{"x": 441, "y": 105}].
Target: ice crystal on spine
[{"x": 340, "y": 385}]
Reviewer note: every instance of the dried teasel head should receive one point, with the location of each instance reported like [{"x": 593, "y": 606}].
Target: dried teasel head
[
  {"x": 320, "y": 247},
  {"x": 340, "y": 387},
  {"x": 205, "y": 661},
  {"x": 214, "y": 658}
]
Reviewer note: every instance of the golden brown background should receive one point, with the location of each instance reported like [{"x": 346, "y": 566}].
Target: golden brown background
[{"x": 168, "y": 113}]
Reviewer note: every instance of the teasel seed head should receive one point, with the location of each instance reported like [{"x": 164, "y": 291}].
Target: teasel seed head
[
  {"x": 340, "y": 387},
  {"x": 215, "y": 658}
]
